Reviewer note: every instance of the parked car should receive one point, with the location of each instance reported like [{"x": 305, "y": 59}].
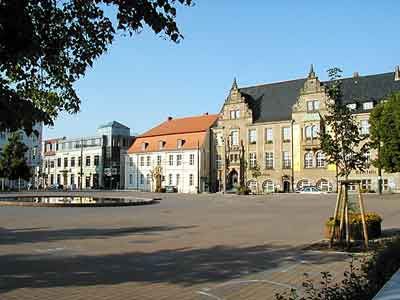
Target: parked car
[
  {"x": 310, "y": 190},
  {"x": 171, "y": 189},
  {"x": 55, "y": 187}
]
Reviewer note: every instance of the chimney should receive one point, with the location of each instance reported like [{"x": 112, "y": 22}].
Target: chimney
[
  {"x": 397, "y": 74},
  {"x": 170, "y": 118},
  {"x": 356, "y": 75},
  {"x": 206, "y": 114}
]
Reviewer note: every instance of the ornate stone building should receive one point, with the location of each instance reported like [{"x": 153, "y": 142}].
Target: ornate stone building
[{"x": 274, "y": 128}]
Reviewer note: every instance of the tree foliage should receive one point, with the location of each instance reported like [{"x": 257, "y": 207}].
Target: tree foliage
[
  {"x": 385, "y": 133},
  {"x": 12, "y": 160},
  {"x": 47, "y": 45},
  {"x": 341, "y": 140}
]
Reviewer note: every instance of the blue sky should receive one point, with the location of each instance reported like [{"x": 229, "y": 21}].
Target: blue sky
[{"x": 143, "y": 80}]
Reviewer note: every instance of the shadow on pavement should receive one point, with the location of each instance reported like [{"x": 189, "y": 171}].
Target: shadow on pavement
[
  {"x": 36, "y": 235},
  {"x": 183, "y": 266}
]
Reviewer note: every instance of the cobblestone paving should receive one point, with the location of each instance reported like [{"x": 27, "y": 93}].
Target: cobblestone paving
[{"x": 186, "y": 247}]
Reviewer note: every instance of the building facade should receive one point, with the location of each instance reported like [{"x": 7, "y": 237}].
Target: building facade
[
  {"x": 88, "y": 162},
  {"x": 177, "y": 154},
  {"x": 33, "y": 154},
  {"x": 274, "y": 129}
]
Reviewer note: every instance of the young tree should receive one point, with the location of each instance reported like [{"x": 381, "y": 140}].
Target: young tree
[
  {"x": 341, "y": 141},
  {"x": 255, "y": 171},
  {"x": 47, "y": 45},
  {"x": 385, "y": 133},
  {"x": 12, "y": 160}
]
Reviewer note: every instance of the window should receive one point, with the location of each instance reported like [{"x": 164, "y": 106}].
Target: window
[
  {"x": 58, "y": 179},
  {"x": 131, "y": 161},
  {"x": 148, "y": 179},
  {"x": 320, "y": 159},
  {"x": 252, "y": 136},
  {"x": 218, "y": 139},
  {"x": 368, "y": 105},
  {"x": 96, "y": 160},
  {"x": 180, "y": 143},
  {"x": 252, "y": 185},
  {"x": 269, "y": 160},
  {"x": 303, "y": 183},
  {"x": 252, "y": 160},
  {"x": 158, "y": 160},
  {"x": 312, "y": 106},
  {"x": 79, "y": 161},
  {"x": 235, "y": 138},
  {"x": 141, "y": 179},
  {"x": 142, "y": 161},
  {"x": 130, "y": 179},
  {"x": 171, "y": 160},
  {"x": 161, "y": 145},
  {"x": 191, "y": 181},
  {"x": 366, "y": 184},
  {"x": 315, "y": 131},
  {"x": 144, "y": 146},
  {"x": 179, "y": 159},
  {"x": 58, "y": 162},
  {"x": 72, "y": 162},
  {"x": 87, "y": 161},
  {"x": 65, "y": 162},
  {"x": 52, "y": 164},
  {"x": 170, "y": 179},
  {"x": 286, "y": 134},
  {"x": 308, "y": 160},
  {"x": 72, "y": 179},
  {"x": 308, "y": 132},
  {"x": 218, "y": 161},
  {"x": 352, "y": 106},
  {"x": 364, "y": 127},
  {"x": 234, "y": 114},
  {"x": 177, "y": 179},
  {"x": 268, "y": 186},
  {"x": 324, "y": 185},
  {"x": 367, "y": 162},
  {"x": 148, "y": 161},
  {"x": 385, "y": 184},
  {"x": 234, "y": 158},
  {"x": 51, "y": 179},
  {"x": 191, "y": 159},
  {"x": 287, "y": 162},
  {"x": 268, "y": 135}
]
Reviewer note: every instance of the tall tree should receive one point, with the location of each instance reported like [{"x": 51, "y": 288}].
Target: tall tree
[
  {"x": 47, "y": 45},
  {"x": 385, "y": 133},
  {"x": 13, "y": 163},
  {"x": 341, "y": 140}
]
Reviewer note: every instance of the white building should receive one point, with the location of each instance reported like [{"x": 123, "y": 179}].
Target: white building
[
  {"x": 87, "y": 162},
  {"x": 179, "y": 150},
  {"x": 33, "y": 154}
]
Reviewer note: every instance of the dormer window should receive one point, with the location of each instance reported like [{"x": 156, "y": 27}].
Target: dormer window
[
  {"x": 161, "y": 145},
  {"x": 312, "y": 106},
  {"x": 368, "y": 105},
  {"x": 144, "y": 146},
  {"x": 234, "y": 114},
  {"x": 180, "y": 143},
  {"x": 352, "y": 106}
]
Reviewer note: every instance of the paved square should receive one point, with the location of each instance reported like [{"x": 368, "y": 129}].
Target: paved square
[{"x": 185, "y": 247}]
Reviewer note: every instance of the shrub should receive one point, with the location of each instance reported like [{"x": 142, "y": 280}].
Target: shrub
[
  {"x": 359, "y": 283},
  {"x": 373, "y": 221},
  {"x": 243, "y": 190}
]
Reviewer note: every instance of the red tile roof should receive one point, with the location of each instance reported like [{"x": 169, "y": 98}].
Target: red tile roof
[
  {"x": 183, "y": 125},
  {"x": 192, "y": 130}
]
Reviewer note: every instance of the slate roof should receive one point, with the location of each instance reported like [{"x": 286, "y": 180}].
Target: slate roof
[
  {"x": 273, "y": 102},
  {"x": 114, "y": 124}
]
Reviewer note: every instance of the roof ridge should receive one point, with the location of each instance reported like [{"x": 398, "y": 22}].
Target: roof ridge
[
  {"x": 271, "y": 83},
  {"x": 189, "y": 117}
]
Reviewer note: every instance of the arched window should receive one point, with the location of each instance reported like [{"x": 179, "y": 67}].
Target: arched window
[
  {"x": 252, "y": 185},
  {"x": 268, "y": 186},
  {"x": 315, "y": 131},
  {"x": 308, "y": 160},
  {"x": 320, "y": 159},
  {"x": 303, "y": 183},
  {"x": 324, "y": 185}
]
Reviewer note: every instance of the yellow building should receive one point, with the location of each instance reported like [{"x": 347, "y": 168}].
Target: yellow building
[{"x": 275, "y": 127}]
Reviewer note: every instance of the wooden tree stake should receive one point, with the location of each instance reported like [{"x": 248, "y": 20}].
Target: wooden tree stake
[
  {"x": 361, "y": 203},
  {"x": 335, "y": 216}
]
